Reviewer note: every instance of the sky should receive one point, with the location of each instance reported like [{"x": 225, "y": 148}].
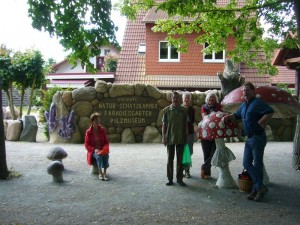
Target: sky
[{"x": 17, "y": 33}]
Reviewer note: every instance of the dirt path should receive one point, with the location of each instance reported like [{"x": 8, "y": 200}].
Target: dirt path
[{"x": 136, "y": 193}]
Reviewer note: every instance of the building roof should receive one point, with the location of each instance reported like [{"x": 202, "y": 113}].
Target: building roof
[
  {"x": 284, "y": 76},
  {"x": 131, "y": 66},
  {"x": 76, "y": 80}
]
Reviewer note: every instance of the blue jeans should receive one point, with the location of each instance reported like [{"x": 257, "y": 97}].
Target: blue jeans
[
  {"x": 102, "y": 161},
  {"x": 253, "y": 159}
]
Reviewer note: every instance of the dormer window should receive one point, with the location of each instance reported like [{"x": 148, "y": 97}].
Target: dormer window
[
  {"x": 168, "y": 53},
  {"x": 214, "y": 57},
  {"x": 142, "y": 48}
]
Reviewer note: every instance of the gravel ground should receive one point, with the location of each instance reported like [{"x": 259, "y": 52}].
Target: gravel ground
[{"x": 136, "y": 192}]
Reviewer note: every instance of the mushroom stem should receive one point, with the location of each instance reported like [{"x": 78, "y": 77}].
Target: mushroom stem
[
  {"x": 221, "y": 159},
  {"x": 58, "y": 177}
]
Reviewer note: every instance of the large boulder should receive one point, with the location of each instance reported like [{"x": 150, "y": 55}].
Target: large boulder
[
  {"x": 30, "y": 129},
  {"x": 7, "y": 115},
  {"x": 128, "y": 136},
  {"x": 151, "y": 135},
  {"x": 14, "y": 130}
]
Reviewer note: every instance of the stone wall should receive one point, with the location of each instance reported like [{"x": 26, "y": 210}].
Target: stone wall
[{"x": 129, "y": 113}]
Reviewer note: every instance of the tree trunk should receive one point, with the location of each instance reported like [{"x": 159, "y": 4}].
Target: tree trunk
[
  {"x": 230, "y": 78},
  {"x": 11, "y": 102},
  {"x": 296, "y": 147},
  {"x": 31, "y": 96},
  {"x": 21, "y": 103},
  {"x": 3, "y": 164}
]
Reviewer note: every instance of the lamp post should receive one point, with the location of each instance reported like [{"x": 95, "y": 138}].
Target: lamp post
[{"x": 3, "y": 164}]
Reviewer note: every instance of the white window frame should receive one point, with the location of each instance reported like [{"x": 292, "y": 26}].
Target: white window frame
[
  {"x": 142, "y": 48},
  {"x": 213, "y": 60},
  {"x": 169, "y": 54}
]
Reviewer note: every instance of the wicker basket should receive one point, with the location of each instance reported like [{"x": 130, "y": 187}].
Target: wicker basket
[{"x": 245, "y": 185}]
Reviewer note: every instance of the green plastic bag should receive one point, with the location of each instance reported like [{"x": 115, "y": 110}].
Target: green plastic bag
[{"x": 186, "y": 158}]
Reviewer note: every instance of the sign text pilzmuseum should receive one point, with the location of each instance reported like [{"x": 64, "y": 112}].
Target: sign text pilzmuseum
[{"x": 128, "y": 111}]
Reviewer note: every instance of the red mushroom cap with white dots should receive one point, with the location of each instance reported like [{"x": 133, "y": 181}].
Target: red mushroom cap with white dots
[
  {"x": 283, "y": 103},
  {"x": 212, "y": 127}
]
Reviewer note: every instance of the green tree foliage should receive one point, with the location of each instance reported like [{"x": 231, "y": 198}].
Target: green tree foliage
[
  {"x": 8, "y": 76},
  {"x": 110, "y": 62},
  {"x": 82, "y": 26},
  {"x": 28, "y": 68},
  {"x": 214, "y": 24}
]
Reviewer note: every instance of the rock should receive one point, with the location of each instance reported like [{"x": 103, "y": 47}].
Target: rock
[
  {"x": 128, "y": 136},
  {"x": 14, "y": 130},
  {"x": 118, "y": 90},
  {"x": 101, "y": 86},
  {"x": 57, "y": 153},
  {"x": 154, "y": 92},
  {"x": 82, "y": 108},
  {"x": 30, "y": 129},
  {"x": 151, "y": 135},
  {"x": 86, "y": 93},
  {"x": 67, "y": 98},
  {"x": 139, "y": 89},
  {"x": 8, "y": 115},
  {"x": 114, "y": 138}
]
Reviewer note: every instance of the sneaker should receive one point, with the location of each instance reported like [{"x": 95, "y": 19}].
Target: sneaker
[
  {"x": 181, "y": 183},
  {"x": 252, "y": 196},
  {"x": 101, "y": 177},
  {"x": 105, "y": 178},
  {"x": 261, "y": 193},
  {"x": 170, "y": 183}
]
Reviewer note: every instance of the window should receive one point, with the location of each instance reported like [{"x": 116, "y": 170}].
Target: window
[
  {"x": 106, "y": 51},
  {"x": 167, "y": 53},
  {"x": 100, "y": 62},
  {"x": 142, "y": 48},
  {"x": 214, "y": 57}
]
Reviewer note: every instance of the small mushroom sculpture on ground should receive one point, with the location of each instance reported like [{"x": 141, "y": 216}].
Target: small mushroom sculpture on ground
[
  {"x": 212, "y": 127},
  {"x": 55, "y": 168},
  {"x": 57, "y": 153}
]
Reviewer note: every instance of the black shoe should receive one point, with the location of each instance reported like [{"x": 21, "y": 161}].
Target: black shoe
[
  {"x": 252, "y": 196},
  {"x": 181, "y": 183},
  {"x": 261, "y": 193},
  {"x": 170, "y": 183},
  {"x": 188, "y": 175}
]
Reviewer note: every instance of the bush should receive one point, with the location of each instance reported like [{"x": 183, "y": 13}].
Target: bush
[{"x": 110, "y": 62}]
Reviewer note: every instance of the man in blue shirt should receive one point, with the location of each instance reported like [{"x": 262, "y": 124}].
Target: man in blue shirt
[{"x": 254, "y": 114}]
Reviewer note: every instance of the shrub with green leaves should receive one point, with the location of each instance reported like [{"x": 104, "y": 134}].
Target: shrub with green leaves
[{"x": 110, "y": 62}]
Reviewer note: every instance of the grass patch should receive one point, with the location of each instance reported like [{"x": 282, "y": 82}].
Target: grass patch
[{"x": 12, "y": 173}]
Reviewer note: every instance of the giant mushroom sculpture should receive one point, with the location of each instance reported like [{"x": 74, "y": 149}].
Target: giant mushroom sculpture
[
  {"x": 283, "y": 103},
  {"x": 212, "y": 127}
]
